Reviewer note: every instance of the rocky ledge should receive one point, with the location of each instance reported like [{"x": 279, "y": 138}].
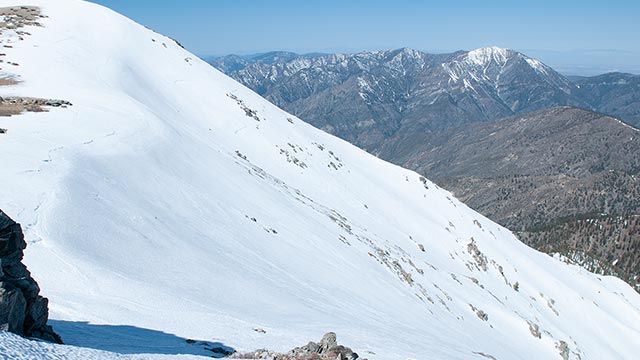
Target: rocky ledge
[
  {"x": 22, "y": 310},
  {"x": 326, "y": 349}
]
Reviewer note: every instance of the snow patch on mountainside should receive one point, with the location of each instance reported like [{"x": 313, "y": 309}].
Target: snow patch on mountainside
[
  {"x": 537, "y": 65},
  {"x": 171, "y": 198},
  {"x": 487, "y": 55}
]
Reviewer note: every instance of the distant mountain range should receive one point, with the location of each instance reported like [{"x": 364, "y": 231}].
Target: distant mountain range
[
  {"x": 617, "y": 94},
  {"x": 436, "y": 114},
  {"x": 369, "y": 97}
]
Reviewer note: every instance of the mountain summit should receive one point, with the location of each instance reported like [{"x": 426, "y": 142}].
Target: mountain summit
[
  {"x": 485, "y": 56},
  {"x": 169, "y": 201}
]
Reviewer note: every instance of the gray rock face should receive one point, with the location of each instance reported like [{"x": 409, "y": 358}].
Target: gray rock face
[
  {"x": 22, "y": 310},
  {"x": 328, "y": 348},
  {"x": 328, "y": 342}
]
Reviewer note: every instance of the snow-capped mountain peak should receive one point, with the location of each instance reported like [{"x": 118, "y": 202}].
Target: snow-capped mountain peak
[
  {"x": 497, "y": 68},
  {"x": 487, "y": 55},
  {"x": 493, "y": 55}
]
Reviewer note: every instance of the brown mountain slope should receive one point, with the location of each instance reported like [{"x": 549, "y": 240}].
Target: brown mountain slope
[{"x": 565, "y": 179}]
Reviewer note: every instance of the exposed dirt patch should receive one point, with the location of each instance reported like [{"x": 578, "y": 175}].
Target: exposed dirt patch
[
  {"x": 16, "y": 105},
  {"x": 6, "y": 81},
  {"x": 16, "y": 17}
]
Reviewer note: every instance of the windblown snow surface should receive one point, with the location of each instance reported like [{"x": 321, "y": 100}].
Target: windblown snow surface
[{"x": 169, "y": 199}]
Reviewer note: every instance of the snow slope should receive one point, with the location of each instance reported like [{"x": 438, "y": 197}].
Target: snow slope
[{"x": 171, "y": 199}]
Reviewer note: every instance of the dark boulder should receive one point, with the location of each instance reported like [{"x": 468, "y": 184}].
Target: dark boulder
[
  {"x": 22, "y": 310},
  {"x": 12, "y": 309}
]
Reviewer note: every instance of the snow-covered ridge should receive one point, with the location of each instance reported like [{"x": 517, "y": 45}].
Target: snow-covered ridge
[
  {"x": 364, "y": 61},
  {"x": 485, "y": 66},
  {"x": 484, "y": 56},
  {"x": 173, "y": 199},
  {"x": 495, "y": 56}
]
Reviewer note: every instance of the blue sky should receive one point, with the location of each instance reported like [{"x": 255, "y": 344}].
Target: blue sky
[{"x": 587, "y": 34}]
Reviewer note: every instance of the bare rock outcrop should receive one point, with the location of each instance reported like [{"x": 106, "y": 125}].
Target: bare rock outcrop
[
  {"x": 22, "y": 310},
  {"x": 326, "y": 349}
]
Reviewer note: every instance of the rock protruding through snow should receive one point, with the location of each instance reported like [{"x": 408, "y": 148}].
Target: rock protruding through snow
[
  {"x": 16, "y": 105},
  {"x": 326, "y": 349},
  {"x": 22, "y": 310}
]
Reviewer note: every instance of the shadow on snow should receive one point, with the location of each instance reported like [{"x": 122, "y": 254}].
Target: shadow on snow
[{"x": 126, "y": 339}]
